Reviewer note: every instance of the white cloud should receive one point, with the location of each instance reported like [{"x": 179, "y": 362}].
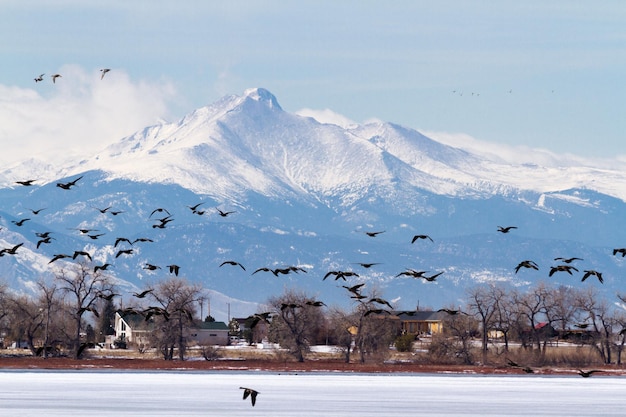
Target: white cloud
[
  {"x": 78, "y": 114},
  {"x": 521, "y": 154},
  {"x": 327, "y": 116}
]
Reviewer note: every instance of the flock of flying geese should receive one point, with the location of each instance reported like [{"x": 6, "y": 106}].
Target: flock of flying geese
[{"x": 54, "y": 77}]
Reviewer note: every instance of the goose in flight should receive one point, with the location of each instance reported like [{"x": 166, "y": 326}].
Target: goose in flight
[
  {"x": 619, "y": 250},
  {"x": 11, "y": 250},
  {"x": 81, "y": 253},
  {"x": 102, "y": 267},
  {"x": 143, "y": 293},
  {"x": 526, "y": 264},
  {"x": 59, "y": 256},
  {"x": 249, "y": 392},
  {"x": 54, "y": 77},
  {"x": 562, "y": 268},
  {"x": 26, "y": 183},
  {"x": 68, "y": 185},
  {"x": 417, "y": 237},
  {"x": 568, "y": 260},
  {"x": 374, "y": 234},
  {"x": 451, "y": 312},
  {"x": 40, "y": 78},
  {"x": 123, "y": 252},
  {"x": 596, "y": 274},
  {"x": 432, "y": 278},
  {"x": 159, "y": 210},
  {"x": 223, "y": 213},
  {"x": 104, "y": 71},
  {"x": 315, "y": 303},
  {"x": 233, "y": 263},
  {"x": 412, "y": 273},
  {"x": 151, "y": 267},
  {"x": 340, "y": 275},
  {"x": 506, "y": 229},
  {"x": 367, "y": 265},
  {"x": 19, "y": 223},
  {"x": 174, "y": 269},
  {"x": 587, "y": 374},
  {"x": 355, "y": 288},
  {"x": 37, "y": 211}
]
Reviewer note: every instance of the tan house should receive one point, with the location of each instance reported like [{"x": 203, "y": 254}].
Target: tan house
[{"x": 420, "y": 322}]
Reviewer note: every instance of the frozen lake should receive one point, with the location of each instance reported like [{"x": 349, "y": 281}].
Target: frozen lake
[{"x": 191, "y": 393}]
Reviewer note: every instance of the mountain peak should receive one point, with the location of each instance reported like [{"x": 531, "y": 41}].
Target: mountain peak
[{"x": 262, "y": 95}]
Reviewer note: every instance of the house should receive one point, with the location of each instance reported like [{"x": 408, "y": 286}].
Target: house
[
  {"x": 208, "y": 333},
  {"x": 420, "y": 322},
  {"x": 133, "y": 328}
]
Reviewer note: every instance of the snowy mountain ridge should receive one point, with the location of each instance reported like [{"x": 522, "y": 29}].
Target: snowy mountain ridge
[
  {"x": 303, "y": 193},
  {"x": 243, "y": 143}
]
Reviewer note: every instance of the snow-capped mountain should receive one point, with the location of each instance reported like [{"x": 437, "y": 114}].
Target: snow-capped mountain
[{"x": 303, "y": 193}]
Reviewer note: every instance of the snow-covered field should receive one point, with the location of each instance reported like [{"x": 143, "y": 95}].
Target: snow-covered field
[{"x": 185, "y": 393}]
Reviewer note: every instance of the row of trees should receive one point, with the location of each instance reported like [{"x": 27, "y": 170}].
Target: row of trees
[
  {"x": 78, "y": 307},
  {"x": 545, "y": 313}
]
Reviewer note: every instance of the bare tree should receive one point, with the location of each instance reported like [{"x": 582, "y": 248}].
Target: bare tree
[
  {"x": 602, "y": 320},
  {"x": 296, "y": 320},
  {"x": 172, "y": 313},
  {"x": 82, "y": 288},
  {"x": 482, "y": 305}
]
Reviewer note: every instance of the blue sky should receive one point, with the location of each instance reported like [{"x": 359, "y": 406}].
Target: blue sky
[{"x": 536, "y": 74}]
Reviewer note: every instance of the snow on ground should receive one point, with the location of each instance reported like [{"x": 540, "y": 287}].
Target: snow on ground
[{"x": 131, "y": 393}]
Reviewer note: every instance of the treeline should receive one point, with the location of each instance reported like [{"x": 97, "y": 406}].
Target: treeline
[{"x": 77, "y": 308}]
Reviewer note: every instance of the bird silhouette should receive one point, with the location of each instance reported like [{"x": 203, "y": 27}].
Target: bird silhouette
[
  {"x": 340, "y": 275},
  {"x": 143, "y": 293},
  {"x": 95, "y": 236},
  {"x": 234, "y": 263},
  {"x": 68, "y": 185},
  {"x": 102, "y": 267},
  {"x": 367, "y": 265},
  {"x": 39, "y": 78},
  {"x": 104, "y": 71},
  {"x": 379, "y": 301},
  {"x": 123, "y": 252},
  {"x": 355, "y": 288},
  {"x": 562, "y": 268},
  {"x": 151, "y": 267},
  {"x": 54, "y": 77},
  {"x": 81, "y": 253},
  {"x": 264, "y": 269},
  {"x": 142, "y": 240},
  {"x": 103, "y": 210},
  {"x": 26, "y": 183},
  {"x": 432, "y": 278},
  {"x": 36, "y": 212},
  {"x": 591, "y": 272},
  {"x": 451, "y": 312},
  {"x": 159, "y": 210},
  {"x": 315, "y": 303},
  {"x": 374, "y": 234},
  {"x": 417, "y": 237},
  {"x": 506, "y": 229},
  {"x": 249, "y": 392},
  {"x": 44, "y": 240},
  {"x": 120, "y": 240},
  {"x": 195, "y": 207},
  {"x": 568, "y": 260},
  {"x": 412, "y": 273},
  {"x": 174, "y": 269},
  {"x": 619, "y": 250},
  {"x": 12, "y": 250},
  {"x": 223, "y": 213},
  {"x": 587, "y": 374},
  {"x": 526, "y": 264},
  {"x": 59, "y": 256},
  {"x": 19, "y": 223}
]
